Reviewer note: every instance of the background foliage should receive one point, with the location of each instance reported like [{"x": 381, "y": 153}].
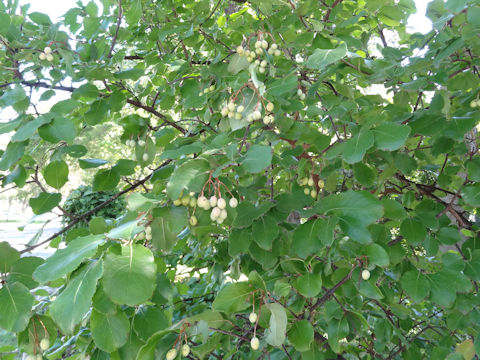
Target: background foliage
[{"x": 330, "y": 180}]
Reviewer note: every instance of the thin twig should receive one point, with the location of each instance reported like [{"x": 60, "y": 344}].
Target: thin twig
[{"x": 119, "y": 20}]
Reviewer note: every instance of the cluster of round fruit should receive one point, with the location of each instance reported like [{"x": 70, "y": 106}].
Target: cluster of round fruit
[
  {"x": 308, "y": 183},
  {"x": 254, "y": 342},
  {"x": 301, "y": 94},
  {"x": 260, "y": 47},
  {"x": 140, "y": 143},
  {"x": 44, "y": 345},
  {"x": 475, "y": 103},
  {"x": 46, "y": 54},
  {"x": 232, "y": 111},
  {"x": 172, "y": 353},
  {"x": 218, "y": 206},
  {"x": 207, "y": 90}
]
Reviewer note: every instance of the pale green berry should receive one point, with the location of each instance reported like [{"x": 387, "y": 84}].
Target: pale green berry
[
  {"x": 306, "y": 191},
  {"x": 263, "y": 63},
  {"x": 299, "y": 92},
  {"x": 253, "y": 317},
  {"x": 255, "y": 343},
  {"x": 258, "y": 44},
  {"x": 213, "y": 201},
  {"x": 270, "y": 107},
  {"x": 240, "y": 108},
  {"x": 233, "y": 203},
  {"x": 264, "y": 44},
  {"x": 313, "y": 193},
  {"x": 42, "y": 56},
  {"x": 141, "y": 142},
  {"x": 193, "y": 220},
  {"x": 231, "y": 114},
  {"x": 50, "y": 57},
  {"x": 365, "y": 274},
  {"x": 321, "y": 184},
  {"x": 302, "y": 97},
  {"x": 185, "y": 350},
  {"x": 257, "y": 115},
  {"x": 215, "y": 213},
  {"x": 259, "y": 51},
  {"x": 310, "y": 182},
  {"x": 271, "y": 51},
  {"x": 177, "y": 202},
  {"x": 231, "y": 106},
  {"x": 206, "y": 91},
  {"x": 257, "y": 62},
  {"x": 212, "y": 88},
  {"x": 240, "y": 50},
  {"x": 224, "y": 111},
  {"x": 221, "y": 203},
  {"x": 223, "y": 214},
  {"x": 47, "y": 50},
  {"x": 238, "y": 116},
  {"x": 44, "y": 344},
  {"x": 278, "y": 53},
  {"x": 274, "y": 47},
  {"x": 145, "y": 157},
  {"x": 31, "y": 357},
  {"x": 185, "y": 200},
  {"x": 261, "y": 70},
  {"x": 171, "y": 354},
  {"x": 193, "y": 202}
]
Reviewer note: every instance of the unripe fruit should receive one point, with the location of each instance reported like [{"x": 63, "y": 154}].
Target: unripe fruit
[
  {"x": 219, "y": 220},
  {"x": 47, "y": 50},
  {"x": 231, "y": 114},
  {"x": 212, "y": 88},
  {"x": 365, "y": 274},
  {"x": 213, "y": 201},
  {"x": 261, "y": 70},
  {"x": 231, "y": 106},
  {"x": 39, "y": 357},
  {"x": 177, "y": 202},
  {"x": 49, "y": 57},
  {"x": 145, "y": 157},
  {"x": 250, "y": 59},
  {"x": 238, "y": 116},
  {"x": 247, "y": 52},
  {"x": 474, "y": 103},
  {"x": 250, "y": 117},
  {"x": 270, "y": 107},
  {"x": 202, "y": 201},
  {"x": 310, "y": 182},
  {"x": 224, "y": 111},
  {"x": 264, "y": 44},
  {"x": 42, "y": 56},
  {"x": 221, "y": 203},
  {"x": 192, "y": 202},
  {"x": 223, "y": 214},
  {"x": 255, "y": 343},
  {"x": 258, "y": 44},
  {"x": 303, "y": 181},
  {"x": 141, "y": 142},
  {"x": 274, "y": 46},
  {"x": 259, "y": 51},
  {"x": 215, "y": 213},
  {"x": 278, "y": 53},
  {"x": 171, "y": 354},
  {"x": 302, "y": 97},
  {"x": 257, "y": 115},
  {"x": 240, "y": 50},
  {"x": 31, "y": 357},
  {"x": 185, "y": 200},
  {"x": 306, "y": 191},
  {"x": 44, "y": 344},
  {"x": 321, "y": 184},
  {"x": 257, "y": 62},
  {"x": 185, "y": 350},
  {"x": 148, "y": 237},
  {"x": 252, "y": 317},
  {"x": 233, "y": 203},
  {"x": 271, "y": 51},
  {"x": 201, "y": 93},
  {"x": 193, "y": 220},
  {"x": 240, "y": 108},
  {"x": 148, "y": 230},
  {"x": 313, "y": 193},
  {"x": 299, "y": 92},
  {"x": 206, "y": 91}
]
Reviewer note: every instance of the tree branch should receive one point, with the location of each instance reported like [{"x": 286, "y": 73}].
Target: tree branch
[
  {"x": 114, "y": 40},
  {"x": 97, "y": 208}
]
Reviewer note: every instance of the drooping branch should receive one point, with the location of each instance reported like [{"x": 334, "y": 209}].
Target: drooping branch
[
  {"x": 96, "y": 209},
  {"x": 119, "y": 20}
]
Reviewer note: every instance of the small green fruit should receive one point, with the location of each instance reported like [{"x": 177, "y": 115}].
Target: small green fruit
[
  {"x": 255, "y": 343},
  {"x": 171, "y": 354},
  {"x": 44, "y": 344},
  {"x": 185, "y": 350},
  {"x": 253, "y": 317},
  {"x": 365, "y": 274}
]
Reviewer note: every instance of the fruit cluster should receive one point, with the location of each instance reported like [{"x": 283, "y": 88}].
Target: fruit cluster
[
  {"x": 172, "y": 353},
  {"x": 308, "y": 183},
  {"x": 46, "y": 54},
  {"x": 261, "y": 46},
  {"x": 207, "y": 90},
  {"x": 475, "y": 103},
  {"x": 233, "y": 111},
  {"x": 141, "y": 143},
  {"x": 301, "y": 94}
]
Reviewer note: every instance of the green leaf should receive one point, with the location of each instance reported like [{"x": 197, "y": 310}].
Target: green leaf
[
  {"x": 12, "y": 154},
  {"x": 4, "y": 23},
  {"x": 166, "y": 225},
  {"x": 283, "y": 86},
  {"x": 91, "y": 163},
  {"x": 393, "y": 209},
  {"x": 129, "y": 277},
  {"x": 87, "y": 91},
  {"x": 449, "y": 235},
  {"x": 258, "y": 158},
  {"x": 149, "y": 320},
  {"x": 370, "y": 290},
  {"x": 56, "y": 174},
  {"x": 134, "y": 13},
  {"x": 377, "y": 255},
  {"x": 130, "y": 74},
  {"x": 44, "y": 202},
  {"x": 247, "y": 213},
  {"x": 265, "y": 230},
  {"x": 413, "y": 230},
  {"x": 239, "y": 242},
  {"x": 471, "y": 195},
  {"x": 66, "y": 260},
  {"x": 364, "y": 174},
  {"x": 415, "y": 285},
  {"x": 390, "y": 15},
  {"x": 109, "y": 331},
  {"x": 69, "y": 308},
  {"x": 27, "y": 130},
  {"x": 39, "y": 18},
  {"x": 185, "y": 175},
  {"x": 237, "y": 63},
  {"x": 275, "y": 334},
  {"x": 305, "y": 239},
  {"x": 126, "y": 230},
  {"x": 8, "y": 256},
  {"x": 22, "y": 269},
  {"x": 390, "y": 136},
  {"x": 355, "y": 148},
  {"x": 309, "y": 285},
  {"x": 301, "y": 335},
  {"x": 472, "y": 267},
  {"x": 106, "y": 180},
  {"x": 233, "y": 298},
  {"x": 336, "y": 331},
  {"x": 15, "y": 305},
  {"x": 60, "y": 129},
  {"x": 321, "y": 58}
]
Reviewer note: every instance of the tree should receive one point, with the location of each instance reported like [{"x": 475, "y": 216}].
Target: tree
[{"x": 285, "y": 212}]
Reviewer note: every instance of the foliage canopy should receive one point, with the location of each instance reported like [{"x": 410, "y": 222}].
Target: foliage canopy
[{"x": 355, "y": 234}]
